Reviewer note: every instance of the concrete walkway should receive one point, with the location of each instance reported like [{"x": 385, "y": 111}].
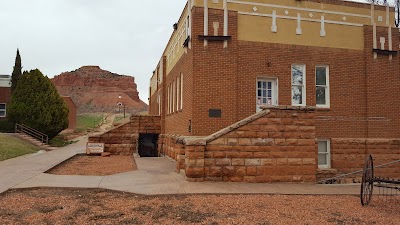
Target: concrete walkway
[
  {"x": 154, "y": 176},
  {"x": 18, "y": 170}
]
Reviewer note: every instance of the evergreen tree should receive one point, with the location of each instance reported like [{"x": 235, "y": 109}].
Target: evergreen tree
[
  {"x": 17, "y": 72},
  {"x": 37, "y": 104}
]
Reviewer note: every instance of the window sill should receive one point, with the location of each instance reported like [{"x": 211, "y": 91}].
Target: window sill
[
  {"x": 326, "y": 169},
  {"x": 323, "y": 109}
]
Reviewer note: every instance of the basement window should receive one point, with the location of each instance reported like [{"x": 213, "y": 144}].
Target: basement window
[
  {"x": 2, "y": 110},
  {"x": 324, "y": 154}
]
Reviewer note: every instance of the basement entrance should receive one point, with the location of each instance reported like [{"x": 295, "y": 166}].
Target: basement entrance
[{"x": 148, "y": 145}]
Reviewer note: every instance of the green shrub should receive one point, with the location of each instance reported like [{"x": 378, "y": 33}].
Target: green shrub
[
  {"x": 7, "y": 126},
  {"x": 37, "y": 104}
]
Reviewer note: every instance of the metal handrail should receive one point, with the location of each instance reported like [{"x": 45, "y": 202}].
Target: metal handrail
[
  {"x": 355, "y": 172},
  {"x": 21, "y": 128}
]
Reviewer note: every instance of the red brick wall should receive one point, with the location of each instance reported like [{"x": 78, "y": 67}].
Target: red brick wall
[
  {"x": 72, "y": 113},
  {"x": 215, "y": 74},
  {"x": 5, "y": 97},
  {"x": 226, "y": 78},
  {"x": 178, "y": 121},
  {"x": 383, "y": 84}
]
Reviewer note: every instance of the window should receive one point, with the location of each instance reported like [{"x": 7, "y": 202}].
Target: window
[
  {"x": 187, "y": 25},
  {"x": 2, "y": 110},
  {"x": 181, "y": 107},
  {"x": 322, "y": 86},
  {"x": 324, "y": 157},
  {"x": 168, "y": 101},
  {"x": 159, "y": 103},
  {"x": 298, "y": 85},
  {"x": 177, "y": 94},
  {"x": 267, "y": 93},
  {"x": 170, "y": 98},
  {"x": 173, "y": 95}
]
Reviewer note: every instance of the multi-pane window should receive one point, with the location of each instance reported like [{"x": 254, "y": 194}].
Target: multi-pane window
[
  {"x": 173, "y": 96},
  {"x": 168, "y": 101},
  {"x": 187, "y": 25},
  {"x": 181, "y": 107},
  {"x": 324, "y": 158},
  {"x": 322, "y": 86},
  {"x": 159, "y": 103},
  {"x": 266, "y": 92},
  {"x": 177, "y": 93},
  {"x": 298, "y": 85},
  {"x": 2, "y": 110}
]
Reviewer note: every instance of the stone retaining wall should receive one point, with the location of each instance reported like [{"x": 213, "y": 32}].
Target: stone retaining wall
[
  {"x": 275, "y": 145},
  {"x": 122, "y": 140},
  {"x": 348, "y": 155}
]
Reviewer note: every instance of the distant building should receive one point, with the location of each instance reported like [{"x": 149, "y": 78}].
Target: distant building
[
  {"x": 5, "y": 94},
  {"x": 72, "y": 113}
]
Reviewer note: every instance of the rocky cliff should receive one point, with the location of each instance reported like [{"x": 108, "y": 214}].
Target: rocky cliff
[{"x": 95, "y": 90}]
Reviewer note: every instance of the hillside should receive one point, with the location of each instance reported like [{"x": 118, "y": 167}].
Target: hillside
[{"x": 95, "y": 90}]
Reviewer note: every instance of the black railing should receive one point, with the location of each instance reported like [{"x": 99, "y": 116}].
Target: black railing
[{"x": 20, "y": 128}]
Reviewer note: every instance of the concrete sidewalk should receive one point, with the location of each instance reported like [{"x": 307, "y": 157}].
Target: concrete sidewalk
[
  {"x": 154, "y": 176},
  {"x": 18, "y": 170}
]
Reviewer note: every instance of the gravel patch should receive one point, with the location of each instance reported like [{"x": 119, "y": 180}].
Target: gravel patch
[
  {"x": 94, "y": 206},
  {"x": 95, "y": 165}
]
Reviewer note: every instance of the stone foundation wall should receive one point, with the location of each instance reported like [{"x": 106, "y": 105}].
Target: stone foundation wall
[
  {"x": 275, "y": 145},
  {"x": 278, "y": 147},
  {"x": 169, "y": 145},
  {"x": 122, "y": 140},
  {"x": 348, "y": 155}
]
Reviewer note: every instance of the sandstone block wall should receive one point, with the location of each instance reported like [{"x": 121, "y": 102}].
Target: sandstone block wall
[
  {"x": 348, "y": 155},
  {"x": 278, "y": 146},
  {"x": 123, "y": 139}
]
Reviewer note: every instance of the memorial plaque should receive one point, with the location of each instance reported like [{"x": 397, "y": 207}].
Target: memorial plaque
[{"x": 94, "y": 148}]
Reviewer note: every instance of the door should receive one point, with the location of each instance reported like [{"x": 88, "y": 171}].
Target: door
[{"x": 267, "y": 92}]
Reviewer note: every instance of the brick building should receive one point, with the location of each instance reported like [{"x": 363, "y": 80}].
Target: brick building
[
  {"x": 5, "y": 95},
  {"x": 71, "y": 114},
  {"x": 268, "y": 90}
]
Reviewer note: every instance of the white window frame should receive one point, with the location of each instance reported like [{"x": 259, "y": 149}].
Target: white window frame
[
  {"x": 328, "y": 154},
  {"x": 4, "y": 110},
  {"x": 275, "y": 90},
  {"x": 168, "y": 100},
  {"x": 177, "y": 93},
  {"x": 304, "y": 86},
  {"x": 159, "y": 103},
  {"x": 187, "y": 25},
  {"x": 327, "y": 88},
  {"x": 173, "y": 95},
  {"x": 181, "y": 107}
]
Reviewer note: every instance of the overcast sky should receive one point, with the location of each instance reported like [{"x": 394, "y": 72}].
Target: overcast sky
[{"x": 55, "y": 36}]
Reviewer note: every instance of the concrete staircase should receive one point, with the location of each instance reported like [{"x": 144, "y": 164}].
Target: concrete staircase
[{"x": 35, "y": 142}]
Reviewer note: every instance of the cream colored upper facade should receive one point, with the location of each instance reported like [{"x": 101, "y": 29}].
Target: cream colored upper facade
[
  {"x": 293, "y": 22},
  {"x": 5, "y": 81}
]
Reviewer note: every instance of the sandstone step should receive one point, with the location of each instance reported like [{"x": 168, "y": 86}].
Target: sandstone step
[{"x": 36, "y": 142}]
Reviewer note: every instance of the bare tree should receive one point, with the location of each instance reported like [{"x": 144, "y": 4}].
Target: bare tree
[
  {"x": 397, "y": 8},
  {"x": 395, "y": 3}
]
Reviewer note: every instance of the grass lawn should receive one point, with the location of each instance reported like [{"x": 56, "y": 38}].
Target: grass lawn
[
  {"x": 58, "y": 142},
  {"x": 11, "y": 147},
  {"x": 88, "y": 121},
  {"x": 119, "y": 117}
]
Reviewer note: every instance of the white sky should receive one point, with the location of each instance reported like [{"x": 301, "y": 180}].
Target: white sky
[{"x": 55, "y": 36}]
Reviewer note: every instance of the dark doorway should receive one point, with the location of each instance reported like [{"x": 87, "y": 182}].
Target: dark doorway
[{"x": 148, "y": 145}]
